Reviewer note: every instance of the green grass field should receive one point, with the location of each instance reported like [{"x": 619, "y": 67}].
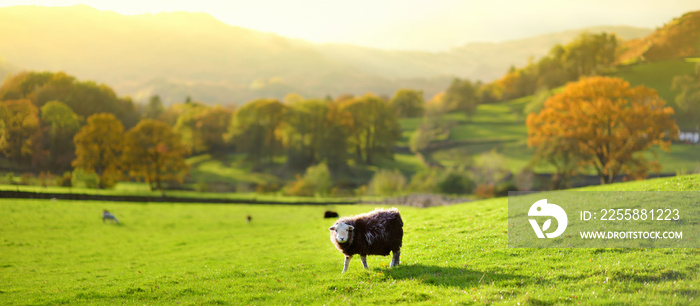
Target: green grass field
[{"x": 61, "y": 253}]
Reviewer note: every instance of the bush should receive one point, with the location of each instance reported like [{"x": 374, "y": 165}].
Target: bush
[
  {"x": 65, "y": 180},
  {"x": 46, "y": 179},
  {"x": 27, "y": 179},
  {"x": 525, "y": 180},
  {"x": 484, "y": 191},
  {"x": 202, "y": 187},
  {"x": 9, "y": 178},
  {"x": 320, "y": 178},
  {"x": 455, "y": 182},
  {"x": 492, "y": 168},
  {"x": 425, "y": 181},
  {"x": 108, "y": 181},
  {"x": 502, "y": 189},
  {"x": 387, "y": 182},
  {"x": 300, "y": 188},
  {"x": 83, "y": 179},
  {"x": 317, "y": 180},
  {"x": 267, "y": 187}
]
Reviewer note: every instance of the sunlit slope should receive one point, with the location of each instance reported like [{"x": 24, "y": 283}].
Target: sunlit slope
[
  {"x": 677, "y": 39},
  {"x": 61, "y": 253}
]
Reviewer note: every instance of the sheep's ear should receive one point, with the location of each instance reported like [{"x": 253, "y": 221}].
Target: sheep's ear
[
  {"x": 350, "y": 227},
  {"x": 332, "y": 228}
]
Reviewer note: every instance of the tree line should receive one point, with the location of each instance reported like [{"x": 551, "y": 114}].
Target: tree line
[{"x": 51, "y": 121}]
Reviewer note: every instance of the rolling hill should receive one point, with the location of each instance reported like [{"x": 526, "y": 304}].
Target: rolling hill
[{"x": 192, "y": 54}]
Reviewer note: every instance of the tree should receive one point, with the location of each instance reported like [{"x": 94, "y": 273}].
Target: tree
[
  {"x": 688, "y": 99},
  {"x": 462, "y": 96},
  {"x": 211, "y": 125},
  {"x": 304, "y": 132},
  {"x": 408, "y": 103},
  {"x": 606, "y": 123},
  {"x": 589, "y": 54},
  {"x": 98, "y": 146},
  {"x": 255, "y": 127},
  {"x": 83, "y": 97},
  {"x": 561, "y": 153},
  {"x": 155, "y": 153},
  {"x": 333, "y": 147},
  {"x": 154, "y": 108},
  {"x": 61, "y": 125},
  {"x": 21, "y": 132},
  {"x": 372, "y": 127},
  {"x": 186, "y": 126}
]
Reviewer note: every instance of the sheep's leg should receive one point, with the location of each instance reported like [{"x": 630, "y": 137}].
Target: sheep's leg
[
  {"x": 364, "y": 262},
  {"x": 395, "y": 259},
  {"x": 347, "y": 263}
]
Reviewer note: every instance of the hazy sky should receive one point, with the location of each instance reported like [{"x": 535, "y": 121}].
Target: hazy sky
[{"x": 407, "y": 24}]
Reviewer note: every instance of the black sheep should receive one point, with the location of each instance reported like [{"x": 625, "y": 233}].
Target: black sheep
[
  {"x": 330, "y": 214},
  {"x": 374, "y": 233}
]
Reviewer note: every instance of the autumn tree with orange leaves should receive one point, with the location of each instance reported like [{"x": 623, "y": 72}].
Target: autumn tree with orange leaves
[
  {"x": 98, "y": 146},
  {"x": 603, "y": 123},
  {"x": 153, "y": 152}
]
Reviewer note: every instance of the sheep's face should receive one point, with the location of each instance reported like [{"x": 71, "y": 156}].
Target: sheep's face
[{"x": 341, "y": 232}]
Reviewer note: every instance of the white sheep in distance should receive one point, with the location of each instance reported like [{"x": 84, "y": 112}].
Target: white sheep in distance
[{"x": 378, "y": 232}]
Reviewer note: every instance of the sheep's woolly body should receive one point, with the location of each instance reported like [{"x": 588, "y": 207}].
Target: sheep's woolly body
[{"x": 378, "y": 232}]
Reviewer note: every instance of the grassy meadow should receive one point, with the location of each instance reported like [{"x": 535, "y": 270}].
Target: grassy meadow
[{"x": 60, "y": 252}]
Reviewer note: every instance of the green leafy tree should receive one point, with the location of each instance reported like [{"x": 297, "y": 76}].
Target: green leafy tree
[
  {"x": 211, "y": 125},
  {"x": 186, "y": 126},
  {"x": 688, "y": 98},
  {"x": 305, "y": 132},
  {"x": 462, "y": 96},
  {"x": 98, "y": 145},
  {"x": 372, "y": 127},
  {"x": 153, "y": 152},
  {"x": 255, "y": 129},
  {"x": 61, "y": 125},
  {"x": 408, "y": 103},
  {"x": 333, "y": 148},
  {"x": 154, "y": 108}
]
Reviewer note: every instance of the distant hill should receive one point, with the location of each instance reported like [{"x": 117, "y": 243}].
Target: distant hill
[
  {"x": 5, "y": 68},
  {"x": 677, "y": 39},
  {"x": 182, "y": 54}
]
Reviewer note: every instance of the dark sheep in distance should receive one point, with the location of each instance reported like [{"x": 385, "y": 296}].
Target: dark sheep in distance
[
  {"x": 374, "y": 233},
  {"x": 330, "y": 214},
  {"x": 248, "y": 218}
]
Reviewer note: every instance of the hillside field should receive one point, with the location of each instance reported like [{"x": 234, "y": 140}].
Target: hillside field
[
  {"x": 61, "y": 253},
  {"x": 500, "y": 127}
]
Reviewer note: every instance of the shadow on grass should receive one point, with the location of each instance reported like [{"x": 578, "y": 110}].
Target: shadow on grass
[{"x": 455, "y": 276}]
